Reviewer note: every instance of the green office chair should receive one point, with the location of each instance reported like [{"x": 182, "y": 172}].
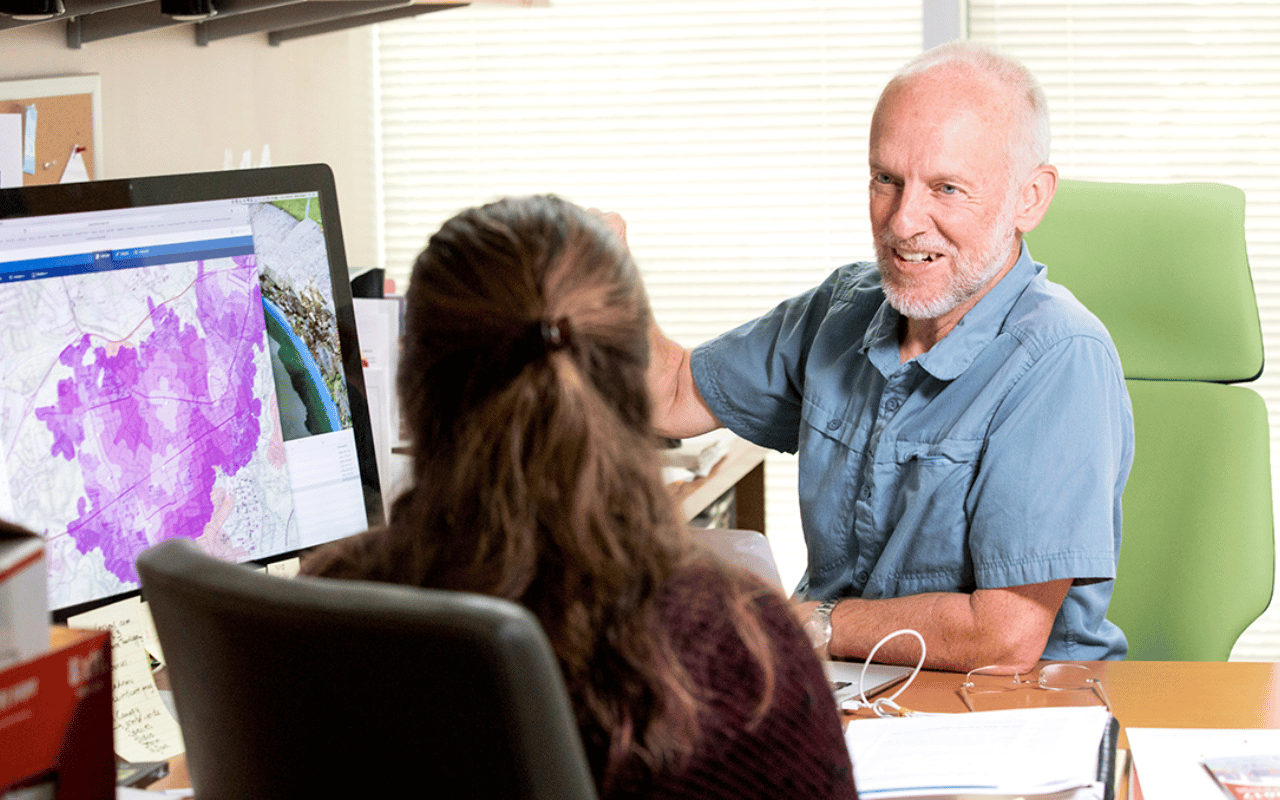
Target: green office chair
[{"x": 1164, "y": 267}]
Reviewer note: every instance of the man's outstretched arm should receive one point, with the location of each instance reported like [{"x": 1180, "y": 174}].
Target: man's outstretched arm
[
  {"x": 679, "y": 410},
  {"x": 1006, "y": 627}
]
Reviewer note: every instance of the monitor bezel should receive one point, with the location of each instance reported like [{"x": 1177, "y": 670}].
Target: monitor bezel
[{"x": 154, "y": 190}]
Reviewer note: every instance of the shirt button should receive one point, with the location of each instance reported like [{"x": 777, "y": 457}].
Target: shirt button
[
  {"x": 862, "y": 576},
  {"x": 866, "y": 492},
  {"x": 833, "y": 424},
  {"x": 893, "y": 404}
]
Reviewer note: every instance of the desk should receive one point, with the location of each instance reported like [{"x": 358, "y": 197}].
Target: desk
[
  {"x": 1147, "y": 694},
  {"x": 1144, "y": 694}
]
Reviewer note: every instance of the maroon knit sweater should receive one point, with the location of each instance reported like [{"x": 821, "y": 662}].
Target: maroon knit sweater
[{"x": 796, "y": 750}]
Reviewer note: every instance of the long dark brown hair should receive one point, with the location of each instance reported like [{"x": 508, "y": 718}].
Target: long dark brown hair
[{"x": 535, "y": 471}]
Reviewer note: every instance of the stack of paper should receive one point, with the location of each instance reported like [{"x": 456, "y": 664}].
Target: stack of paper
[
  {"x": 695, "y": 456},
  {"x": 1029, "y": 751}
]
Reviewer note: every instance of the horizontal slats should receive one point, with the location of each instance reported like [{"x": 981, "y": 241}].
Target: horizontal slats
[
  {"x": 1168, "y": 92},
  {"x": 732, "y": 136}
]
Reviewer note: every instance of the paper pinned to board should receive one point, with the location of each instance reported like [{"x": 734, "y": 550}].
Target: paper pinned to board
[
  {"x": 10, "y": 150},
  {"x": 145, "y": 730},
  {"x": 76, "y": 171}
]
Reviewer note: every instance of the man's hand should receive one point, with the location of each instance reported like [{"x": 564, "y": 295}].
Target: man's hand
[
  {"x": 679, "y": 410},
  {"x": 614, "y": 220}
]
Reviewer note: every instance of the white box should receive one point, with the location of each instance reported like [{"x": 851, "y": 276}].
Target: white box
[{"x": 24, "y": 597}]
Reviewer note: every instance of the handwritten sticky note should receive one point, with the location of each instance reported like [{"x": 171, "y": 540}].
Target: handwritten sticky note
[
  {"x": 150, "y": 639},
  {"x": 287, "y": 568},
  {"x": 145, "y": 730}
]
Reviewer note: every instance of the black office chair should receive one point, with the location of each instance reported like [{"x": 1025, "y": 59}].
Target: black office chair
[{"x": 310, "y": 688}]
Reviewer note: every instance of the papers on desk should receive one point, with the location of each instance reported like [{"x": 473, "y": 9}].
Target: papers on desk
[
  {"x": 1027, "y": 751},
  {"x": 145, "y": 730},
  {"x": 1167, "y": 760},
  {"x": 126, "y": 793},
  {"x": 695, "y": 457}
]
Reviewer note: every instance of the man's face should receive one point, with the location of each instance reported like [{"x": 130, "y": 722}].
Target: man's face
[{"x": 942, "y": 205}]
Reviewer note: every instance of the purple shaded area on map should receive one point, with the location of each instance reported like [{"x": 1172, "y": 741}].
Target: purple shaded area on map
[{"x": 149, "y": 425}]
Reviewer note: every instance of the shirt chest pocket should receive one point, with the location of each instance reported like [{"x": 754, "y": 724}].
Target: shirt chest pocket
[{"x": 923, "y": 517}]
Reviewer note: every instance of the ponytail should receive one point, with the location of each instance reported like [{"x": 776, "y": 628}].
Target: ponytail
[{"x": 535, "y": 466}]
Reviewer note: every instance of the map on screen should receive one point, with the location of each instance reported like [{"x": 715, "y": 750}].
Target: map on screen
[{"x": 172, "y": 359}]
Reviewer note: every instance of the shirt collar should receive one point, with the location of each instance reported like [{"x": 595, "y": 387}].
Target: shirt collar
[{"x": 949, "y": 358}]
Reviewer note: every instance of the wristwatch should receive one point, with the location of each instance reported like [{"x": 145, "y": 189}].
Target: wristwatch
[{"x": 818, "y": 625}]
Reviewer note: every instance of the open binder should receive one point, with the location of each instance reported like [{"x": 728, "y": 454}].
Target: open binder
[{"x": 1062, "y": 753}]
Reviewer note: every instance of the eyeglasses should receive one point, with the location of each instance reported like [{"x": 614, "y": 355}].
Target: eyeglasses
[{"x": 1052, "y": 677}]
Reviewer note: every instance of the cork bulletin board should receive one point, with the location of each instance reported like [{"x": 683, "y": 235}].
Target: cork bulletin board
[{"x": 59, "y": 125}]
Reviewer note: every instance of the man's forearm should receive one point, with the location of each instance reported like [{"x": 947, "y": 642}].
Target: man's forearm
[
  {"x": 679, "y": 410},
  {"x": 1007, "y": 627}
]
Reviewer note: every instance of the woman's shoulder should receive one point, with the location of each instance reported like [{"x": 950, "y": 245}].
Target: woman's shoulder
[{"x": 737, "y": 637}]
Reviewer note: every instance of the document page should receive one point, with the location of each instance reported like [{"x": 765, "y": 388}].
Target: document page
[
  {"x": 1167, "y": 760},
  {"x": 1019, "y": 751}
]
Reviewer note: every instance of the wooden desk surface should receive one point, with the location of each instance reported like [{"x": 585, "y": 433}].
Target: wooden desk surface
[{"x": 1143, "y": 694}]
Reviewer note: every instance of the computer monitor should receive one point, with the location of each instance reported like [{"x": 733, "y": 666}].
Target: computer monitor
[{"x": 178, "y": 357}]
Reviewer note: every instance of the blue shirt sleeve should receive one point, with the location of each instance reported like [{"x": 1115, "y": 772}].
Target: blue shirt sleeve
[
  {"x": 752, "y": 377},
  {"x": 1042, "y": 506}
]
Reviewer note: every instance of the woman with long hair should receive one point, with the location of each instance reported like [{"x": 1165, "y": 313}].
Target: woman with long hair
[{"x": 536, "y": 479}]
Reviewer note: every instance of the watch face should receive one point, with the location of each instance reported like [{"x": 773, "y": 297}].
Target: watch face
[{"x": 818, "y": 629}]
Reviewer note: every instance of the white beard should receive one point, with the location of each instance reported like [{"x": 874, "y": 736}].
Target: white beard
[{"x": 970, "y": 275}]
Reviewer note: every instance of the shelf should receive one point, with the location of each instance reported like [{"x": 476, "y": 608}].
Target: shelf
[{"x": 90, "y": 21}]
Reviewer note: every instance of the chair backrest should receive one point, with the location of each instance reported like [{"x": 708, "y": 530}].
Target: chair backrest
[
  {"x": 1165, "y": 269},
  {"x": 307, "y": 687}
]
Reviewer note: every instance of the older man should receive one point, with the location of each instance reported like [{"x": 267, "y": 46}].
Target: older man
[{"x": 963, "y": 429}]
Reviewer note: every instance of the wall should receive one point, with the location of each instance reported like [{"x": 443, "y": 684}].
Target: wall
[{"x": 171, "y": 106}]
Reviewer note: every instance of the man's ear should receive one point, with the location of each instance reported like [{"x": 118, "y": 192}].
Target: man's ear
[{"x": 1034, "y": 197}]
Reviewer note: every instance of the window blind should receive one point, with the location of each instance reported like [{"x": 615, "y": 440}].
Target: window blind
[
  {"x": 1164, "y": 92},
  {"x": 731, "y": 136}
]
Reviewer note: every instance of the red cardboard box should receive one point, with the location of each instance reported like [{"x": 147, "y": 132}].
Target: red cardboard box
[{"x": 55, "y": 720}]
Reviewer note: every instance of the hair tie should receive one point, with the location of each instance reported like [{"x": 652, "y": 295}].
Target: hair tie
[{"x": 556, "y": 335}]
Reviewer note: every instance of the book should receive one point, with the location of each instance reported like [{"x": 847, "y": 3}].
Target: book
[{"x": 1246, "y": 777}]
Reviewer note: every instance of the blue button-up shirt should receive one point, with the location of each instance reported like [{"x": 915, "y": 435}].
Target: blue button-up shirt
[{"x": 997, "y": 458}]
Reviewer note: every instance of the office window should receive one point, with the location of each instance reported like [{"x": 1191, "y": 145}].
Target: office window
[
  {"x": 1164, "y": 92},
  {"x": 732, "y": 136}
]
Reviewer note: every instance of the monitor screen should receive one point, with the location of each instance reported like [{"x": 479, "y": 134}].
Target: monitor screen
[{"x": 178, "y": 357}]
